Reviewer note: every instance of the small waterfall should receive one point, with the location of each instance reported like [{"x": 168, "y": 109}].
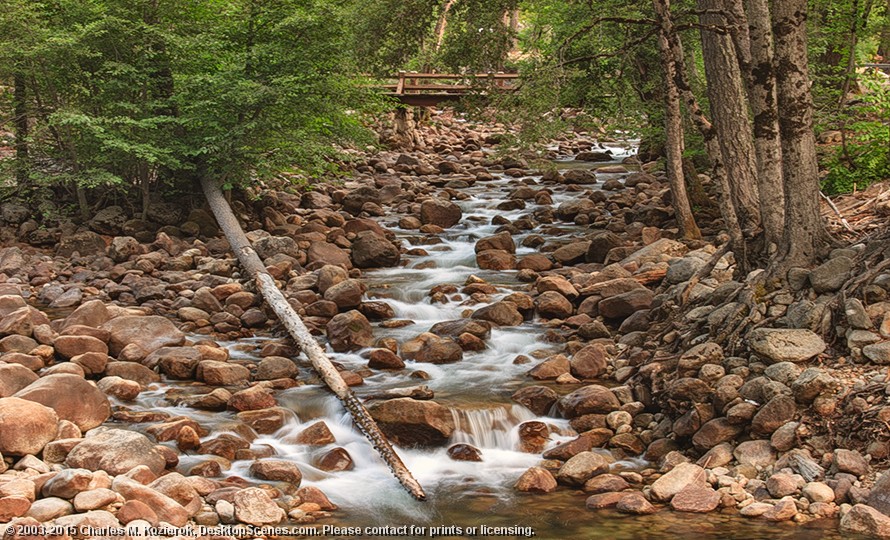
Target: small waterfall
[{"x": 495, "y": 428}]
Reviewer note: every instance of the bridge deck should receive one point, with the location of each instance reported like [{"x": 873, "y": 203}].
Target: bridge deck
[{"x": 412, "y": 88}]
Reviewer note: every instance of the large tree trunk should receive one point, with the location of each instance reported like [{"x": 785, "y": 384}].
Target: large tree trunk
[
  {"x": 298, "y": 331},
  {"x": 805, "y": 237},
  {"x": 726, "y": 94},
  {"x": 673, "y": 128},
  {"x": 762, "y": 95},
  {"x": 22, "y": 160},
  {"x": 442, "y": 24}
]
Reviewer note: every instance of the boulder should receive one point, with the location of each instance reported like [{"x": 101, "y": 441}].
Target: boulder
[
  {"x": 222, "y": 373},
  {"x": 115, "y": 451},
  {"x": 14, "y": 377},
  {"x": 149, "y": 333},
  {"x": 865, "y": 520},
  {"x": 623, "y": 305},
  {"x": 71, "y": 397},
  {"x": 370, "y": 250},
  {"x": 697, "y": 499},
  {"x": 440, "y": 212},
  {"x": 163, "y": 506},
  {"x": 428, "y": 347},
  {"x": 552, "y": 304},
  {"x": 831, "y": 275},
  {"x": 582, "y": 467},
  {"x": 500, "y": 313},
  {"x": 26, "y": 426},
  {"x": 495, "y": 259},
  {"x": 346, "y": 294},
  {"x": 586, "y": 400},
  {"x": 349, "y": 331},
  {"x": 786, "y": 345},
  {"x": 538, "y": 399},
  {"x": 277, "y": 470},
  {"x": 324, "y": 253},
  {"x": 70, "y": 346},
  {"x": 589, "y": 362},
  {"x": 409, "y": 422},
  {"x": 536, "y": 480},
  {"x": 677, "y": 479}
]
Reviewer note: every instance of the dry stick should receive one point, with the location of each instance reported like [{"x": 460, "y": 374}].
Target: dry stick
[
  {"x": 838, "y": 212},
  {"x": 250, "y": 261}
]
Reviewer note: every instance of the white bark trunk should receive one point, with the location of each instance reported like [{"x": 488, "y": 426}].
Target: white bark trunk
[{"x": 251, "y": 263}]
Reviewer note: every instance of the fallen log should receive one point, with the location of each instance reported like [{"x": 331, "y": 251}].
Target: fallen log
[{"x": 273, "y": 296}]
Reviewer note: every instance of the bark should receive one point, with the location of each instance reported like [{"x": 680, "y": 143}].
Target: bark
[
  {"x": 884, "y": 44},
  {"x": 726, "y": 94},
  {"x": 767, "y": 143},
  {"x": 22, "y": 159},
  {"x": 805, "y": 237},
  {"x": 298, "y": 331},
  {"x": 442, "y": 24},
  {"x": 673, "y": 129}
]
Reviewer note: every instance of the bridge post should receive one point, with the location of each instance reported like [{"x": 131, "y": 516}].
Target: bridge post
[{"x": 400, "y": 87}]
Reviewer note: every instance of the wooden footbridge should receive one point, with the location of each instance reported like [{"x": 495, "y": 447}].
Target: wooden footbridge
[{"x": 430, "y": 89}]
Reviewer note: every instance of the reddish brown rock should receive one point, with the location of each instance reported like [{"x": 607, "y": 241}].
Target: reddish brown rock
[
  {"x": 251, "y": 399},
  {"x": 116, "y": 451},
  {"x": 72, "y": 397},
  {"x": 349, "y": 331},
  {"x": 277, "y": 470},
  {"x": 316, "y": 434},
  {"x": 536, "y": 480},
  {"x": 26, "y": 426},
  {"x": 428, "y": 347},
  {"x": 334, "y": 460},
  {"x": 409, "y": 422},
  {"x": 586, "y": 400},
  {"x": 699, "y": 499},
  {"x": 148, "y": 333}
]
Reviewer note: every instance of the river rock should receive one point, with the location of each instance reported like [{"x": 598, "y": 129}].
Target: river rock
[
  {"x": 175, "y": 362},
  {"x": 67, "y": 483},
  {"x": 757, "y": 453},
  {"x": 384, "y": 359},
  {"x": 776, "y": 413},
  {"x": 275, "y": 367},
  {"x": 696, "y": 498},
  {"x": 865, "y": 520},
  {"x": 14, "y": 377},
  {"x": 347, "y": 294},
  {"x": 479, "y": 328},
  {"x": 277, "y": 470},
  {"x": 349, "y": 331},
  {"x": 222, "y": 373},
  {"x": 163, "y": 506},
  {"x": 71, "y": 397},
  {"x": 428, "y": 347},
  {"x": 17, "y": 322},
  {"x": 850, "y": 461},
  {"x": 115, "y": 451},
  {"x": 879, "y": 353},
  {"x": 538, "y": 399},
  {"x": 586, "y": 400},
  {"x": 251, "y": 399},
  {"x": 13, "y": 507},
  {"x": 536, "y": 480},
  {"x": 495, "y": 259},
  {"x": 410, "y": 422},
  {"x": 26, "y": 426},
  {"x": 464, "y": 452},
  {"x": 635, "y": 503},
  {"x": 552, "y": 304},
  {"x": 148, "y": 333},
  {"x": 623, "y": 305},
  {"x": 582, "y": 467},
  {"x": 440, "y": 212},
  {"x": 677, "y": 479},
  {"x": 325, "y": 253},
  {"x": 714, "y": 432},
  {"x": 831, "y": 275},
  {"x": 786, "y": 345},
  {"x": 502, "y": 241},
  {"x": 335, "y": 460},
  {"x": 501, "y": 313},
  {"x": 253, "y": 506},
  {"x": 550, "y": 369},
  {"x": 49, "y": 509},
  {"x": 783, "y": 510},
  {"x": 132, "y": 371},
  {"x": 370, "y": 250}
]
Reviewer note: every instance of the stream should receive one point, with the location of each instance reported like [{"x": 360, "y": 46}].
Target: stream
[{"x": 461, "y": 494}]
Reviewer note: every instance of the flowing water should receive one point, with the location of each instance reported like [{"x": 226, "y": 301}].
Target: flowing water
[{"x": 461, "y": 494}]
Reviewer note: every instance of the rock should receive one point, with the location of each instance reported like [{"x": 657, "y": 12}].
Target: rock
[
  {"x": 49, "y": 509},
  {"x": 684, "y": 269},
  {"x": 94, "y": 499},
  {"x": 586, "y": 400},
  {"x": 495, "y": 259},
  {"x": 605, "y": 483},
  {"x": 635, "y": 503},
  {"x": 480, "y": 329},
  {"x": 850, "y": 461},
  {"x": 818, "y": 492},
  {"x": 757, "y": 453},
  {"x": 164, "y": 507},
  {"x": 251, "y": 399},
  {"x": 115, "y": 451},
  {"x": 371, "y": 250},
  {"x": 253, "y": 506},
  {"x": 776, "y": 413},
  {"x": 831, "y": 275},
  {"x": 275, "y": 367},
  {"x": 786, "y": 345},
  {"x": 550, "y": 369},
  {"x": 538, "y": 399},
  {"x": 86, "y": 243},
  {"x": 349, "y": 331},
  {"x": 335, "y": 460},
  {"x": 277, "y": 470},
  {"x": 865, "y": 520},
  {"x": 316, "y": 434},
  {"x": 269, "y": 246},
  {"x": 677, "y": 479},
  {"x": 132, "y": 371},
  {"x": 623, "y": 305},
  {"x": 600, "y": 245},
  {"x": 324, "y": 253},
  {"x": 347, "y": 294},
  {"x": 71, "y": 397},
  {"x": 552, "y": 304},
  {"x": 810, "y": 384},
  {"x": 137, "y": 510},
  {"x": 464, "y": 452},
  {"x": 175, "y": 362},
  {"x": 536, "y": 480},
  {"x": 410, "y": 423},
  {"x": 582, "y": 467},
  {"x": 440, "y": 212},
  {"x": 783, "y": 510},
  {"x": 696, "y": 498},
  {"x": 70, "y": 346},
  {"x": 26, "y": 426},
  {"x": 13, "y": 507},
  {"x": 109, "y": 220},
  {"x": 67, "y": 483},
  {"x": 879, "y": 497},
  {"x": 17, "y": 322},
  {"x": 500, "y": 313},
  {"x": 571, "y": 254},
  {"x": 714, "y": 432},
  {"x": 879, "y": 353},
  {"x": 384, "y": 359},
  {"x": 148, "y": 333},
  {"x": 222, "y": 373},
  {"x": 428, "y": 347},
  {"x": 783, "y": 484},
  {"x": 14, "y": 377},
  {"x": 604, "y": 500},
  {"x": 123, "y": 247}
]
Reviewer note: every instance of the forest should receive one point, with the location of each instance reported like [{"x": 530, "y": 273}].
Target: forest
[{"x": 562, "y": 268}]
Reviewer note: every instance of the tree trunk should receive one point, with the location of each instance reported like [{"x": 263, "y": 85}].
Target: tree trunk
[
  {"x": 726, "y": 94},
  {"x": 673, "y": 129},
  {"x": 768, "y": 145},
  {"x": 442, "y": 24},
  {"x": 884, "y": 44},
  {"x": 22, "y": 160},
  {"x": 298, "y": 331},
  {"x": 805, "y": 237}
]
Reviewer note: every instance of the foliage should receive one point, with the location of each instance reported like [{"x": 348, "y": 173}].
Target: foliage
[{"x": 864, "y": 156}]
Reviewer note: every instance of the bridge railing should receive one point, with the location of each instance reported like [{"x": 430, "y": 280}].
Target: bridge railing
[{"x": 407, "y": 82}]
